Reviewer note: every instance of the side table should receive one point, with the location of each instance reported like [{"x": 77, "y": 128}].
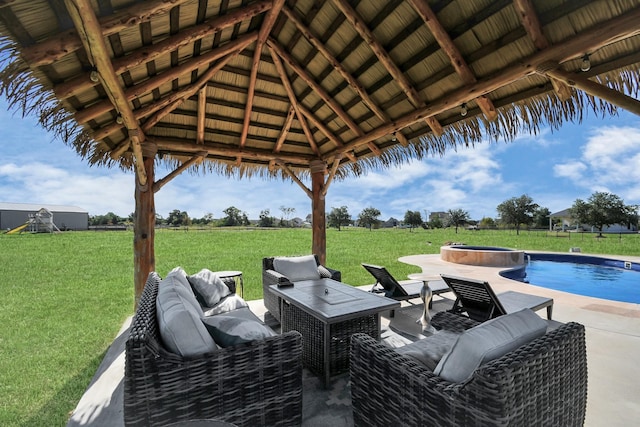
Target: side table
[
  {"x": 426, "y": 296},
  {"x": 236, "y": 276}
]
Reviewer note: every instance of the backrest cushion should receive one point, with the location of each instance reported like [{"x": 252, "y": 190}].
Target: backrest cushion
[
  {"x": 236, "y": 327},
  {"x": 429, "y": 351},
  {"x": 209, "y": 289},
  {"x": 297, "y": 268},
  {"x": 179, "y": 323},
  {"x": 487, "y": 341}
]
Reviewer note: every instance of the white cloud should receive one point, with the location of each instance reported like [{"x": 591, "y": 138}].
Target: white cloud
[{"x": 572, "y": 170}]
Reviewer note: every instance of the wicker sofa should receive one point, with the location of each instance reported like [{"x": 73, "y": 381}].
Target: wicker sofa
[
  {"x": 272, "y": 277},
  {"x": 251, "y": 384},
  {"x": 541, "y": 383}
]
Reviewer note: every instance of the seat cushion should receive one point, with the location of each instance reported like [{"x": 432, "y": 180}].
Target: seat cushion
[
  {"x": 429, "y": 351},
  {"x": 208, "y": 288},
  {"x": 487, "y": 341},
  {"x": 179, "y": 323},
  {"x": 236, "y": 327},
  {"x": 297, "y": 268}
]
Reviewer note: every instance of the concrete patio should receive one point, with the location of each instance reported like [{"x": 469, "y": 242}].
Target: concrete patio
[{"x": 613, "y": 341}]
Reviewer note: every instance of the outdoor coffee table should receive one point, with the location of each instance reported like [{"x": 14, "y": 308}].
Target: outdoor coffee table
[{"x": 327, "y": 312}]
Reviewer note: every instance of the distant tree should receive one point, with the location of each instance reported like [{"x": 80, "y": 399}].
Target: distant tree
[
  {"x": 208, "y": 218},
  {"x": 286, "y": 214},
  {"x": 601, "y": 210},
  {"x": 457, "y": 217},
  {"x": 339, "y": 217},
  {"x": 178, "y": 218},
  {"x": 232, "y": 217},
  {"x": 541, "y": 217},
  {"x": 487, "y": 222},
  {"x": 369, "y": 217},
  {"x": 517, "y": 211},
  {"x": 265, "y": 219},
  {"x": 436, "y": 222},
  {"x": 412, "y": 219}
]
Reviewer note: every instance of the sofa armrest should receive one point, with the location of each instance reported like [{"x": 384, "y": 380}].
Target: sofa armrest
[{"x": 335, "y": 274}]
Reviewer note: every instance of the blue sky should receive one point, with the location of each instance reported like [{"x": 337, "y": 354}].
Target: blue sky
[{"x": 554, "y": 168}]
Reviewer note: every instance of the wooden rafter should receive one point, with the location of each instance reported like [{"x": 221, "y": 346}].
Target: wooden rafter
[
  {"x": 198, "y": 158},
  {"x": 202, "y": 113},
  {"x": 385, "y": 59},
  {"x": 452, "y": 51},
  {"x": 90, "y": 32},
  {"x": 294, "y": 177},
  {"x": 617, "y": 28},
  {"x": 265, "y": 29},
  {"x": 285, "y": 129},
  {"x": 355, "y": 85},
  {"x": 332, "y": 174},
  {"x": 294, "y": 101},
  {"x": 149, "y": 85},
  {"x": 531, "y": 23},
  {"x": 146, "y": 54},
  {"x": 622, "y": 100}
]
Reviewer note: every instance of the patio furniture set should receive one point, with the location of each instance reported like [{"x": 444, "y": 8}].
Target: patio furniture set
[{"x": 507, "y": 366}]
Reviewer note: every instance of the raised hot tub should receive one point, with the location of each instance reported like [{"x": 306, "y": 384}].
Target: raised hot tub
[{"x": 485, "y": 256}]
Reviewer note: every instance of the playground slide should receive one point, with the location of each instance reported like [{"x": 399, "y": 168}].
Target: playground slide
[{"x": 19, "y": 228}]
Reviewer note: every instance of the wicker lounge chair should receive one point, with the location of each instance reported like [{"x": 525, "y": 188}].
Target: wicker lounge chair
[
  {"x": 541, "y": 383},
  {"x": 271, "y": 277},
  {"x": 400, "y": 290},
  {"x": 477, "y": 299},
  {"x": 257, "y": 383}
]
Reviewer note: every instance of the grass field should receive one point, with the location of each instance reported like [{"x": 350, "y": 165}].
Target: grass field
[{"x": 65, "y": 296}]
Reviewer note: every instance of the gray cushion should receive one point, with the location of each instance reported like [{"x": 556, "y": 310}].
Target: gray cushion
[
  {"x": 297, "y": 268},
  {"x": 226, "y": 304},
  {"x": 208, "y": 287},
  {"x": 236, "y": 327},
  {"x": 487, "y": 341},
  {"x": 179, "y": 321},
  {"x": 430, "y": 350}
]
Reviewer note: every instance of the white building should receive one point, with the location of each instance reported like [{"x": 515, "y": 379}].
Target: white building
[{"x": 13, "y": 215}]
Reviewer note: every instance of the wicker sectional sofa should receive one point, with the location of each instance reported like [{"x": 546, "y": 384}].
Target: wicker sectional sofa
[
  {"x": 257, "y": 383},
  {"x": 541, "y": 383}
]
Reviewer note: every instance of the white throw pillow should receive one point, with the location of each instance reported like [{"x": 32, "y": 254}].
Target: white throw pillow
[
  {"x": 208, "y": 287},
  {"x": 297, "y": 268},
  {"x": 487, "y": 341},
  {"x": 227, "y": 304}
]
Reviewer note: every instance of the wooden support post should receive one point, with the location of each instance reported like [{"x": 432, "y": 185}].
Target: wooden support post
[
  {"x": 319, "y": 246},
  {"x": 144, "y": 260}
]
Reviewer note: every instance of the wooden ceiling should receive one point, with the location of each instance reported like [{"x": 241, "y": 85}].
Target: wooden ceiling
[{"x": 243, "y": 87}]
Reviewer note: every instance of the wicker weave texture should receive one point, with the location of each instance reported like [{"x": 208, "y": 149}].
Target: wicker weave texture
[
  {"x": 259, "y": 383},
  {"x": 313, "y": 332},
  {"x": 543, "y": 383}
]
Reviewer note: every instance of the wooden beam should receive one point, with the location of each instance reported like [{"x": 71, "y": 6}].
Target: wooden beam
[
  {"x": 319, "y": 90},
  {"x": 332, "y": 174},
  {"x": 617, "y": 28},
  {"x": 192, "y": 161},
  {"x": 265, "y": 29},
  {"x": 202, "y": 113},
  {"x": 168, "y": 75},
  {"x": 318, "y": 222},
  {"x": 385, "y": 59},
  {"x": 90, "y": 32},
  {"x": 531, "y": 24},
  {"x": 352, "y": 81},
  {"x": 144, "y": 260},
  {"x": 54, "y": 48},
  {"x": 592, "y": 88},
  {"x": 294, "y": 177},
  {"x": 288, "y": 87},
  {"x": 452, "y": 51},
  {"x": 285, "y": 129}
]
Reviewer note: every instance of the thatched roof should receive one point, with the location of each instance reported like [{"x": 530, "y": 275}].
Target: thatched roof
[{"x": 267, "y": 87}]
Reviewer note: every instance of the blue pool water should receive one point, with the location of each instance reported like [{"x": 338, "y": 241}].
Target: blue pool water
[{"x": 582, "y": 275}]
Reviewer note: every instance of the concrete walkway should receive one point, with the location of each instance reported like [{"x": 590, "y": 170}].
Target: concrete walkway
[{"x": 613, "y": 343}]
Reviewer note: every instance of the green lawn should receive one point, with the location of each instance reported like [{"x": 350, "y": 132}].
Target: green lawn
[{"x": 65, "y": 296}]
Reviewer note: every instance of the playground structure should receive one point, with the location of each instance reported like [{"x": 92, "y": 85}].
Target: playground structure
[{"x": 39, "y": 222}]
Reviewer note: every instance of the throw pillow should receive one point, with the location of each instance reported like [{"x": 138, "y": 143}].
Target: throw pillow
[
  {"x": 487, "y": 341},
  {"x": 179, "y": 323},
  {"x": 297, "y": 268},
  {"x": 324, "y": 272},
  {"x": 208, "y": 287},
  {"x": 429, "y": 351},
  {"x": 233, "y": 328},
  {"x": 227, "y": 304},
  {"x": 176, "y": 281}
]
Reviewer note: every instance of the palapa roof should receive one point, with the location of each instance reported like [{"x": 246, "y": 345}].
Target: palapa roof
[{"x": 269, "y": 87}]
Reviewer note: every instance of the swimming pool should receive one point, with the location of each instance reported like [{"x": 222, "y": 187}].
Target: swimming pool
[{"x": 606, "y": 278}]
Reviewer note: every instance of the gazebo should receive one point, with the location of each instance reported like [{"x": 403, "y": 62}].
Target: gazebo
[{"x": 306, "y": 89}]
